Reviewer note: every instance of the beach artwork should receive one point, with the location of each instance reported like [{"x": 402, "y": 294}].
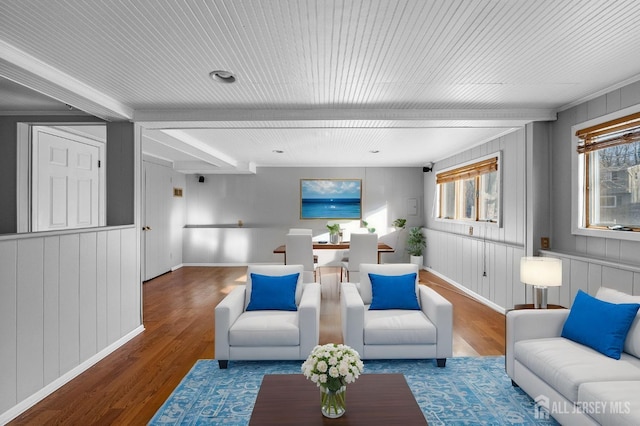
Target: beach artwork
[{"x": 330, "y": 198}]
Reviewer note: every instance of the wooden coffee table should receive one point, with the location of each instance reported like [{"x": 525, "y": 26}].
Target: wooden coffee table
[{"x": 292, "y": 399}]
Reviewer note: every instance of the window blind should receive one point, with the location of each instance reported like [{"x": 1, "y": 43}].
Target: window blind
[
  {"x": 469, "y": 171},
  {"x": 620, "y": 131}
]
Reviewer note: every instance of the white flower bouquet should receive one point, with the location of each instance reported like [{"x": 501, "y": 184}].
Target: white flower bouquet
[{"x": 331, "y": 367}]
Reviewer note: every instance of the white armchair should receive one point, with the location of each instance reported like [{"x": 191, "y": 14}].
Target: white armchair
[
  {"x": 425, "y": 331},
  {"x": 267, "y": 333}
]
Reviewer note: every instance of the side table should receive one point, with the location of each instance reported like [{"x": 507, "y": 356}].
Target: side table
[{"x": 530, "y": 306}]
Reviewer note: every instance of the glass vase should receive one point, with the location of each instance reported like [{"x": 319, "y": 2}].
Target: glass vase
[{"x": 334, "y": 403}]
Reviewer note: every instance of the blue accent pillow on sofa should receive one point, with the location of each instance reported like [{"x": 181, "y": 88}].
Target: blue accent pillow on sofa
[
  {"x": 602, "y": 326},
  {"x": 393, "y": 292},
  {"x": 273, "y": 293}
]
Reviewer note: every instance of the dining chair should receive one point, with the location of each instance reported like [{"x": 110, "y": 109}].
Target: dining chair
[
  {"x": 363, "y": 248},
  {"x": 305, "y": 231},
  {"x": 299, "y": 251}
]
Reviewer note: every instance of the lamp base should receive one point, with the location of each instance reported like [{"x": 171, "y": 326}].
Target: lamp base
[{"x": 539, "y": 297}]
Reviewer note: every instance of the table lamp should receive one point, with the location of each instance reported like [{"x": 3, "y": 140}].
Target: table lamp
[{"x": 541, "y": 272}]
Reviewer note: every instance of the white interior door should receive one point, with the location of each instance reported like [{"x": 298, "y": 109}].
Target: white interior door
[
  {"x": 156, "y": 229},
  {"x": 66, "y": 180}
]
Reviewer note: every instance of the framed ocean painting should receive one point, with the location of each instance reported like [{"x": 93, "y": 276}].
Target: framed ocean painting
[{"x": 330, "y": 198}]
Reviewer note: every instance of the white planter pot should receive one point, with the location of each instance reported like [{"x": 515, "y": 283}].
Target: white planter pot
[{"x": 417, "y": 260}]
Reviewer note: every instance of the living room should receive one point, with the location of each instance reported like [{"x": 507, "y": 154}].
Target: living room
[{"x": 235, "y": 219}]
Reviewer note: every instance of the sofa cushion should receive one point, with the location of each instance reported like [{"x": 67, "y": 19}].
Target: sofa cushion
[
  {"x": 632, "y": 344},
  {"x": 398, "y": 327},
  {"x": 364, "y": 287},
  {"x": 600, "y": 325},
  {"x": 393, "y": 292},
  {"x": 265, "y": 328},
  {"x": 273, "y": 270},
  {"x": 611, "y": 403},
  {"x": 565, "y": 364},
  {"x": 273, "y": 292}
]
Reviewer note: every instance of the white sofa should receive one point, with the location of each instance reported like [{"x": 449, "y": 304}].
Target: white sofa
[
  {"x": 396, "y": 333},
  {"x": 267, "y": 334},
  {"x": 575, "y": 384}
]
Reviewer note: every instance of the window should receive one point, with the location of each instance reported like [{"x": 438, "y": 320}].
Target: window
[
  {"x": 609, "y": 168},
  {"x": 470, "y": 192}
]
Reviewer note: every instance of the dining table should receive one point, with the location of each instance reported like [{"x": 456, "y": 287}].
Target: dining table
[{"x": 317, "y": 245}]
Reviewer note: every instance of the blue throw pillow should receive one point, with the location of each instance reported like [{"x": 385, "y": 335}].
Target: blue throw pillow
[
  {"x": 602, "y": 326},
  {"x": 273, "y": 293},
  {"x": 393, "y": 292}
]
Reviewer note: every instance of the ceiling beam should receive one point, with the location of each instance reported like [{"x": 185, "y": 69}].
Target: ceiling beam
[
  {"x": 151, "y": 118},
  {"x": 24, "y": 69},
  {"x": 190, "y": 146}
]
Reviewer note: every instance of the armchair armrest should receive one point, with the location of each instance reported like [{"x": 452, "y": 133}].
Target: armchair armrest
[
  {"x": 226, "y": 313},
  {"x": 352, "y": 310},
  {"x": 528, "y": 324},
  {"x": 309, "y": 318},
  {"x": 440, "y": 311}
]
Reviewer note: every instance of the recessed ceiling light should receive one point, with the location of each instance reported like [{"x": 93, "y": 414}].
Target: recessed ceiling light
[
  {"x": 374, "y": 151},
  {"x": 278, "y": 151},
  {"x": 222, "y": 76}
]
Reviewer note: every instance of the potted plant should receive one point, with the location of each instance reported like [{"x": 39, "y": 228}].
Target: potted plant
[
  {"x": 415, "y": 244},
  {"x": 334, "y": 233},
  {"x": 399, "y": 224},
  {"x": 365, "y": 224}
]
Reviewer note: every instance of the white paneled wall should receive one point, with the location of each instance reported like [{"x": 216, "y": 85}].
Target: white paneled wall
[
  {"x": 485, "y": 268},
  {"x": 486, "y": 263},
  {"x": 536, "y": 201},
  {"x": 63, "y": 299},
  {"x": 562, "y": 149},
  {"x": 268, "y": 204},
  {"x": 589, "y": 274}
]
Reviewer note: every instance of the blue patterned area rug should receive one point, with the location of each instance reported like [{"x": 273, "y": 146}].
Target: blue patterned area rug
[{"x": 468, "y": 391}]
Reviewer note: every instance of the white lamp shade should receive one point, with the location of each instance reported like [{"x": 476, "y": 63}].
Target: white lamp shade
[{"x": 541, "y": 271}]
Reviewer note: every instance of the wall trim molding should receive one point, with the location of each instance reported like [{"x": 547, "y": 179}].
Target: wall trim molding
[
  {"x": 477, "y": 238},
  {"x": 32, "y": 400},
  {"x": 231, "y": 264},
  {"x": 591, "y": 259}
]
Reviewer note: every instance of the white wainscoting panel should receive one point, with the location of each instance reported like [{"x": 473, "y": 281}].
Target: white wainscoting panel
[
  {"x": 580, "y": 272},
  {"x": 464, "y": 260},
  {"x": 30, "y": 324},
  {"x": 51, "y": 308},
  {"x": 69, "y": 302},
  {"x": 88, "y": 295},
  {"x": 64, "y": 298},
  {"x": 8, "y": 323}
]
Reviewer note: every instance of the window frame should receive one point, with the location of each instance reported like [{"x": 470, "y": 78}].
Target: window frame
[
  {"x": 459, "y": 199},
  {"x": 578, "y": 176}
]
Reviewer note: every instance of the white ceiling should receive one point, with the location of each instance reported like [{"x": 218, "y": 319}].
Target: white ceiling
[{"x": 326, "y": 82}]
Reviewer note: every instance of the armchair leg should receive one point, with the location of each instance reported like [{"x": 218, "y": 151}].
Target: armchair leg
[
  {"x": 223, "y": 363},
  {"x": 440, "y": 362}
]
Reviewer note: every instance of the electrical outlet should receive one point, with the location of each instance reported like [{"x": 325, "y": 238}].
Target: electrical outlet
[
  {"x": 471, "y": 230},
  {"x": 544, "y": 242}
]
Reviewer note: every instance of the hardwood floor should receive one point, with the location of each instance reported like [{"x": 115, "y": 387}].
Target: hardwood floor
[{"x": 128, "y": 386}]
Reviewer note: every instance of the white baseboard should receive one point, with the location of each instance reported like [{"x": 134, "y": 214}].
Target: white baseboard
[
  {"x": 472, "y": 294},
  {"x": 174, "y": 268},
  {"x": 32, "y": 400},
  {"x": 231, "y": 264}
]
